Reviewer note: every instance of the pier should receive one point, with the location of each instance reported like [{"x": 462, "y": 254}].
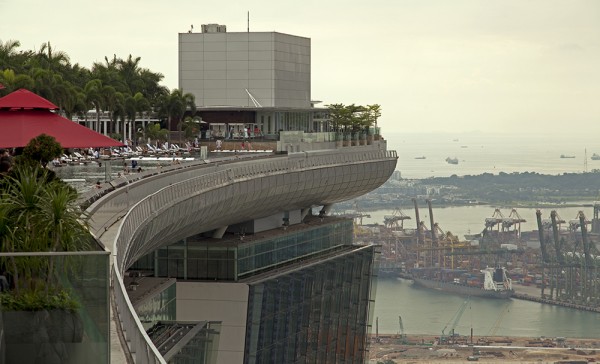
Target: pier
[{"x": 527, "y": 297}]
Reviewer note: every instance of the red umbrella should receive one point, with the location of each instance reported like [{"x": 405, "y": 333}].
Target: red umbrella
[{"x": 25, "y": 115}]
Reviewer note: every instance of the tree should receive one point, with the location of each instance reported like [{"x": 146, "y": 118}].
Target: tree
[
  {"x": 174, "y": 107},
  {"x": 338, "y": 115},
  {"x": 155, "y": 132},
  {"x": 7, "y": 52},
  {"x": 12, "y": 81},
  {"x": 51, "y": 59},
  {"x": 356, "y": 117},
  {"x": 93, "y": 92},
  {"x": 42, "y": 149},
  {"x": 374, "y": 112},
  {"x": 190, "y": 127}
]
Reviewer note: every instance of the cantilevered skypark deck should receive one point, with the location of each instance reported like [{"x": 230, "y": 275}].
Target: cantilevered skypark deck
[{"x": 135, "y": 216}]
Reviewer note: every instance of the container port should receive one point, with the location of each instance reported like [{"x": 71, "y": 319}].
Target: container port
[{"x": 560, "y": 259}]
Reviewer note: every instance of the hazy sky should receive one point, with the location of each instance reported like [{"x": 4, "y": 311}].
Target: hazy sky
[{"x": 447, "y": 65}]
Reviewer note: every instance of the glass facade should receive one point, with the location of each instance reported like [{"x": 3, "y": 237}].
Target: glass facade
[
  {"x": 201, "y": 348},
  {"x": 59, "y": 335},
  {"x": 161, "y": 307},
  {"x": 257, "y": 257},
  {"x": 309, "y": 288},
  {"x": 232, "y": 261},
  {"x": 317, "y": 314}
]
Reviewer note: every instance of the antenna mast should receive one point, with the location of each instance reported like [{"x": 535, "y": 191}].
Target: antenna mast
[{"x": 248, "y": 22}]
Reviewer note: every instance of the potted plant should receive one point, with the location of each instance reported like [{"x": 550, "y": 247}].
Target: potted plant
[
  {"x": 39, "y": 214},
  {"x": 337, "y": 116},
  {"x": 374, "y": 112}
]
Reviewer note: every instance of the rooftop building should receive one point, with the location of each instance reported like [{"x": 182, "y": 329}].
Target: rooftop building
[{"x": 249, "y": 78}]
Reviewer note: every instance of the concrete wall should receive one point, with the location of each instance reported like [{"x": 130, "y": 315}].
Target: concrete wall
[
  {"x": 218, "y": 68},
  {"x": 211, "y": 301}
]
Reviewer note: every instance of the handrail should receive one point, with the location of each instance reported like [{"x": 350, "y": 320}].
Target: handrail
[{"x": 137, "y": 216}]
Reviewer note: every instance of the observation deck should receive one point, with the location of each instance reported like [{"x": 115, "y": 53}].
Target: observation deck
[{"x": 135, "y": 215}]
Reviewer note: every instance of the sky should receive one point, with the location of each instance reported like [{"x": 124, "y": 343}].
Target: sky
[{"x": 455, "y": 66}]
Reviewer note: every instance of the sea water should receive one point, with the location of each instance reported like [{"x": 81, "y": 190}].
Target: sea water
[{"x": 479, "y": 152}]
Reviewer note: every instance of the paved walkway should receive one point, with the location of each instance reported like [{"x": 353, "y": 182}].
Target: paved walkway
[{"x": 117, "y": 354}]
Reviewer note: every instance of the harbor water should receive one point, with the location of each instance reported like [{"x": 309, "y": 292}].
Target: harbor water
[{"x": 427, "y": 312}]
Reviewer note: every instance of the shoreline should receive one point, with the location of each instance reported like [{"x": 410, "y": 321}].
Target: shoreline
[
  {"x": 485, "y": 349},
  {"x": 528, "y": 293}
]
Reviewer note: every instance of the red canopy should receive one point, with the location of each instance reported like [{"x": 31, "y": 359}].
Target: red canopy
[
  {"x": 25, "y": 99},
  {"x": 25, "y": 115}
]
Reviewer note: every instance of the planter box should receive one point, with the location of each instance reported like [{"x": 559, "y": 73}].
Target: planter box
[{"x": 41, "y": 336}]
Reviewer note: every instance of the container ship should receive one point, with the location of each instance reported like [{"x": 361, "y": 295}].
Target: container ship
[{"x": 489, "y": 282}]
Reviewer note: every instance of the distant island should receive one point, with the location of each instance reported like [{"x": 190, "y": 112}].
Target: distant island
[{"x": 528, "y": 189}]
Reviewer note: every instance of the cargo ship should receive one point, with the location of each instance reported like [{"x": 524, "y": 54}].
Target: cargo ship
[
  {"x": 489, "y": 282},
  {"x": 452, "y": 160}
]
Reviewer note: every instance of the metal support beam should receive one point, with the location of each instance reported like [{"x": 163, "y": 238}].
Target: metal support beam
[{"x": 218, "y": 233}]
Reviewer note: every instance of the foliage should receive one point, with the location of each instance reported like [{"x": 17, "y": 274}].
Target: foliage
[
  {"x": 43, "y": 149},
  {"x": 174, "y": 107},
  {"x": 37, "y": 301},
  {"x": 155, "y": 132},
  {"x": 353, "y": 118},
  {"x": 109, "y": 86},
  {"x": 190, "y": 127},
  {"x": 38, "y": 214}
]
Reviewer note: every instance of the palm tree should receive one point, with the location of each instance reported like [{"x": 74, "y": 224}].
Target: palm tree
[
  {"x": 143, "y": 107},
  {"x": 156, "y": 132},
  {"x": 8, "y": 52},
  {"x": 39, "y": 214},
  {"x": 129, "y": 72},
  {"x": 12, "y": 81},
  {"x": 21, "y": 202},
  {"x": 61, "y": 222},
  {"x": 51, "y": 59},
  {"x": 93, "y": 92},
  {"x": 174, "y": 107}
]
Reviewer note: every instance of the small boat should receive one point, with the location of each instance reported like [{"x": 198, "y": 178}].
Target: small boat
[
  {"x": 567, "y": 156},
  {"x": 452, "y": 160},
  {"x": 421, "y": 157},
  {"x": 595, "y": 157}
]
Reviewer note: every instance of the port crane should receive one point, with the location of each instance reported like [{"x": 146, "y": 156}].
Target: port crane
[
  {"x": 401, "y": 332},
  {"x": 451, "y": 325},
  {"x": 569, "y": 267},
  {"x": 391, "y": 221}
]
